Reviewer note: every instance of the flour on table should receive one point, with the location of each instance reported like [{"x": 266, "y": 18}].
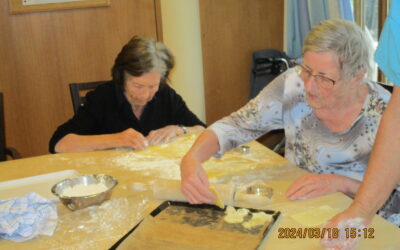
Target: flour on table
[
  {"x": 166, "y": 168},
  {"x": 162, "y": 161}
]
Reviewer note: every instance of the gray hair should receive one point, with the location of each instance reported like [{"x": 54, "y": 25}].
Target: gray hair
[
  {"x": 142, "y": 55},
  {"x": 347, "y": 40}
]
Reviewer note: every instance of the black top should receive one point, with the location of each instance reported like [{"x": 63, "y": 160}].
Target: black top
[{"x": 107, "y": 111}]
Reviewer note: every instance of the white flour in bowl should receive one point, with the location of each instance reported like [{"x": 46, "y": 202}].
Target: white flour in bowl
[{"x": 82, "y": 190}]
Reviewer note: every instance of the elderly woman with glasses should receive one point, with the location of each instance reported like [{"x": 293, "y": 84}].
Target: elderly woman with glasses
[{"x": 328, "y": 108}]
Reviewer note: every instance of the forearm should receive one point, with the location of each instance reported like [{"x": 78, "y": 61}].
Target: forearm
[
  {"x": 178, "y": 130},
  {"x": 195, "y": 129},
  {"x": 348, "y": 186},
  {"x": 83, "y": 143},
  {"x": 383, "y": 170},
  {"x": 204, "y": 147}
]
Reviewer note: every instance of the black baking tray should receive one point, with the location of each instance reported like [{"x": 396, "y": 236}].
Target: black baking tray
[{"x": 203, "y": 215}]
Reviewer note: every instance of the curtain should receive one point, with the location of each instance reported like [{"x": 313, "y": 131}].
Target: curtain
[{"x": 302, "y": 15}]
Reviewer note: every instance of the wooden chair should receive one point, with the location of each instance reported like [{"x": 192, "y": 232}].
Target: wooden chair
[
  {"x": 4, "y": 150},
  {"x": 79, "y": 91}
]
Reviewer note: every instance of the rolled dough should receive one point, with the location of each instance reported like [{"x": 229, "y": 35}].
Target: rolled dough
[{"x": 315, "y": 216}]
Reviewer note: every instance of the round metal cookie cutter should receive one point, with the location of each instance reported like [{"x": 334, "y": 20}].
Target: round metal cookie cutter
[
  {"x": 243, "y": 149},
  {"x": 260, "y": 190}
]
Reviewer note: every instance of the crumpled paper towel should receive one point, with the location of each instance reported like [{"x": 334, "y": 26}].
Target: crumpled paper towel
[{"x": 23, "y": 218}]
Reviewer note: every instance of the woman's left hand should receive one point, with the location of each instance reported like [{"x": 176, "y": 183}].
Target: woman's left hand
[
  {"x": 313, "y": 185},
  {"x": 163, "y": 135}
]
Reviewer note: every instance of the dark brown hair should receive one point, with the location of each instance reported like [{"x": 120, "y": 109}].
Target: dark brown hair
[{"x": 142, "y": 55}]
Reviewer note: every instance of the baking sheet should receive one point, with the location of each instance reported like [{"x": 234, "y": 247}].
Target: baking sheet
[
  {"x": 40, "y": 184},
  {"x": 180, "y": 225}
]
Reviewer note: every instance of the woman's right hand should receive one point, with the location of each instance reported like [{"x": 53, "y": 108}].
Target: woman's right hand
[
  {"x": 130, "y": 138},
  {"x": 194, "y": 182}
]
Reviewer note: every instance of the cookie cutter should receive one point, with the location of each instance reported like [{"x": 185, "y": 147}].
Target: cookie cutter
[
  {"x": 243, "y": 149},
  {"x": 260, "y": 190}
]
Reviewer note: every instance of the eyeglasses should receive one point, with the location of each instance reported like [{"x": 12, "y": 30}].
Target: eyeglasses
[{"x": 306, "y": 74}]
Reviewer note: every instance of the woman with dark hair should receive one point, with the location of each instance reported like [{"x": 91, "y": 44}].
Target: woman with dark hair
[{"x": 136, "y": 109}]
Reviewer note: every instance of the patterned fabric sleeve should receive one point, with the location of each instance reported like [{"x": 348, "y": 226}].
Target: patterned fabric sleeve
[{"x": 259, "y": 116}]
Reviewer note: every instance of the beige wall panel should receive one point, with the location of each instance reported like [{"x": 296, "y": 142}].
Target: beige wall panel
[
  {"x": 231, "y": 31},
  {"x": 42, "y": 52}
]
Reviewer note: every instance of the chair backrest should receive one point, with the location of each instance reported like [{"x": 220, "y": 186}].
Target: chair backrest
[
  {"x": 266, "y": 65},
  {"x": 79, "y": 91}
]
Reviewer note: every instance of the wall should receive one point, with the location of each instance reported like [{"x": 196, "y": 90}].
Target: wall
[
  {"x": 42, "y": 52},
  {"x": 181, "y": 34},
  {"x": 230, "y": 31}
]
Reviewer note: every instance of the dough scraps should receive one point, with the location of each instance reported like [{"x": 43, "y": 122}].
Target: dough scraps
[
  {"x": 235, "y": 216},
  {"x": 257, "y": 219}
]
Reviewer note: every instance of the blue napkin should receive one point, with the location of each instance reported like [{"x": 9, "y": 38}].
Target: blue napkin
[{"x": 23, "y": 218}]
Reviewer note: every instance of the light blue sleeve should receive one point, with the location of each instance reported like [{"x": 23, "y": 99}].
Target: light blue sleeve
[{"x": 387, "y": 54}]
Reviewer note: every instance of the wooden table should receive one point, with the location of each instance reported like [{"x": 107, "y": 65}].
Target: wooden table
[{"x": 100, "y": 227}]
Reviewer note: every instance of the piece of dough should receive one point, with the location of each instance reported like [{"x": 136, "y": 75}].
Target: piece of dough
[
  {"x": 218, "y": 201},
  {"x": 257, "y": 219},
  {"x": 315, "y": 216},
  {"x": 235, "y": 216}
]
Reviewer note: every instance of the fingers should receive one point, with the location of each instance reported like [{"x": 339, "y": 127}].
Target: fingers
[
  {"x": 301, "y": 191},
  {"x": 311, "y": 185},
  {"x": 152, "y": 138},
  {"x": 158, "y": 137},
  {"x": 197, "y": 194},
  {"x": 139, "y": 142},
  {"x": 133, "y": 139},
  {"x": 315, "y": 192},
  {"x": 195, "y": 189},
  {"x": 297, "y": 185},
  {"x": 341, "y": 240},
  {"x": 203, "y": 178},
  {"x": 194, "y": 182},
  {"x": 163, "y": 135},
  {"x": 189, "y": 197}
]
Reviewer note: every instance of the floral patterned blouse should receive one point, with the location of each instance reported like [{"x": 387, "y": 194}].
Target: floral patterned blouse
[{"x": 309, "y": 144}]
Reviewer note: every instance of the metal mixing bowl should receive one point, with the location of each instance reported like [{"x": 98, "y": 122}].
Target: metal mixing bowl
[{"x": 79, "y": 202}]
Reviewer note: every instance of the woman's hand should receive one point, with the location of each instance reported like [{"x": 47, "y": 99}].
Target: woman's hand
[
  {"x": 313, "y": 185},
  {"x": 194, "y": 182},
  {"x": 163, "y": 135},
  {"x": 83, "y": 143},
  {"x": 353, "y": 217},
  {"x": 130, "y": 138}
]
